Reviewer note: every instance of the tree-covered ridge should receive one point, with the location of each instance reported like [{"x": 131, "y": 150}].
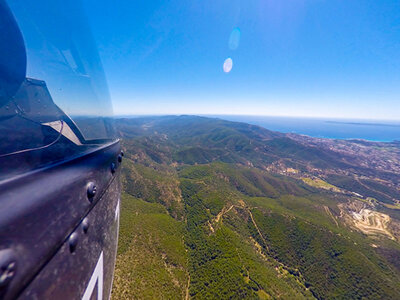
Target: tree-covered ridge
[{"x": 260, "y": 215}]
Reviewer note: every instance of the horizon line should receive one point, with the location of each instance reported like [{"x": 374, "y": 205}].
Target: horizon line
[{"x": 262, "y": 116}]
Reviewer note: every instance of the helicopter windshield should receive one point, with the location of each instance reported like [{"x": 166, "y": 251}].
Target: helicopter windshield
[{"x": 54, "y": 99}]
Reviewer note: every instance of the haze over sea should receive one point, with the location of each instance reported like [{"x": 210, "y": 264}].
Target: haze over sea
[{"x": 372, "y": 130}]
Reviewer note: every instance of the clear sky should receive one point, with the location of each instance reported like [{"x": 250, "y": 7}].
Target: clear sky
[{"x": 320, "y": 58}]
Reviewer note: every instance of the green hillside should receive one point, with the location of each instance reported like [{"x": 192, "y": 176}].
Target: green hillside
[{"x": 215, "y": 210}]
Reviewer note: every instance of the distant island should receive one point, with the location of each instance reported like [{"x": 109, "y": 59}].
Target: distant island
[{"x": 214, "y": 209}]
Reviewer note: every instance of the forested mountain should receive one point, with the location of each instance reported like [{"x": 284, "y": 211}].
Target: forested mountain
[{"x": 213, "y": 209}]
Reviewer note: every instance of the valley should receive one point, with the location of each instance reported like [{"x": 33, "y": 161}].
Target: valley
[{"x": 215, "y": 209}]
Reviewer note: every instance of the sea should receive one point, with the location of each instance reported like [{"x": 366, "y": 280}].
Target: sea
[{"x": 371, "y": 130}]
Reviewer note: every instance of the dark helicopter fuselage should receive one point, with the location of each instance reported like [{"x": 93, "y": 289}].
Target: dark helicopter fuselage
[{"x": 59, "y": 176}]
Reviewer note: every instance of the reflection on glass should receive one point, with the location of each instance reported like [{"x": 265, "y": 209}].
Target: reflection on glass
[
  {"x": 62, "y": 53},
  {"x": 57, "y": 105}
]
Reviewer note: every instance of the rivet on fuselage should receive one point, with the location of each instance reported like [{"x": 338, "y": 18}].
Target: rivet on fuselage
[
  {"x": 73, "y": 242},
  {"x": 8, "y": 267},
  {"x": 85, "y": 225},
  {"x": 91, "y": 190}
]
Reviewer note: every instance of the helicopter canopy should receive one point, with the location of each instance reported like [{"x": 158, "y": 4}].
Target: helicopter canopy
[{"x": 54, "y": 99}]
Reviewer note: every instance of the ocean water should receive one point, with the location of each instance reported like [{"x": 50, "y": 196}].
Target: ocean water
[{"x": 372, "y": 130}]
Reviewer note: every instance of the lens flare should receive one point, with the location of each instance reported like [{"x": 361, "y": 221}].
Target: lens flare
[
  {"x": 228, "y": 64},
  {"x": 234, "y": 39}
]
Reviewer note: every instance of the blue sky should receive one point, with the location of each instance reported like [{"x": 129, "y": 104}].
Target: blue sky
[{"x": 320, "y": 58}]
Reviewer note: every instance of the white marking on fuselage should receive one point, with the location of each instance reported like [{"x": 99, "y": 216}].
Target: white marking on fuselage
[
  {"x": 117, "y": 211},
  {"x": 97, "y": 276}
]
